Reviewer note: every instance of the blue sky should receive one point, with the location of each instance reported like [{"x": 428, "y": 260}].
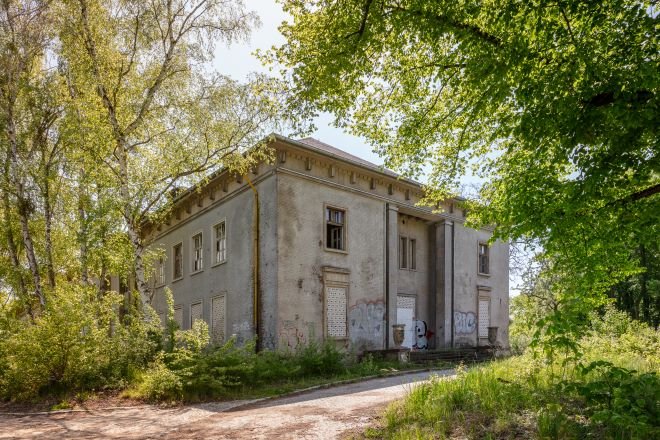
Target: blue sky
[{"x": 238, "y": 61}]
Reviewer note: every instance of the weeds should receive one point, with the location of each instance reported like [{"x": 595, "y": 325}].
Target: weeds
[{"x": 611, "y": 392}]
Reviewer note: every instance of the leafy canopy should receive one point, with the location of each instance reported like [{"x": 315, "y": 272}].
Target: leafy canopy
[{"x": 554, "y": 104}]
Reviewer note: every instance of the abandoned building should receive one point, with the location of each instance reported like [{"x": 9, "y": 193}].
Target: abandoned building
[{"x": 320, "y": 244}]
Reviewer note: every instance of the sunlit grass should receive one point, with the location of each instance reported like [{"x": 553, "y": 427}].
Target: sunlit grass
[{"x": 527, "y": 397}]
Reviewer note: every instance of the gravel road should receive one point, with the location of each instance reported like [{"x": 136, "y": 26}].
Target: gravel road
[{"x": 320, "y": 414}]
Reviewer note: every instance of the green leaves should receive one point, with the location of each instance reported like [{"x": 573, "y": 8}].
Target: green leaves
[{"x": 554, "y": 105}]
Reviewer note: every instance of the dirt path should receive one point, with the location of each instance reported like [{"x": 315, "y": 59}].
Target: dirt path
[{"x": 320, "y": 414}]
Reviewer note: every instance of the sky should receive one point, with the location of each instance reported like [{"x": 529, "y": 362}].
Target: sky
[{"x": 238, "y": 62}]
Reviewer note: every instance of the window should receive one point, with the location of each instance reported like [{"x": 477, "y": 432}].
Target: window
[
  {"x": 218, "y": 308},
  {"x": 160, "y": 272},
  {"x": 177, "y": 251},
  {"x": 220, "y": 232},
  {"x": 484, "y": 317},
  {"x": 335, "y": 220},
  {"x": 335, "y": 309},
  {"x": 413, "y": 254},
  {"x": 403, "y": 252},
  {"x": 195, "y": 312},
  {"x": 178, "y": 315},
  {"x": 484, "y": 267},
  {"x": 198, "y": 253}
]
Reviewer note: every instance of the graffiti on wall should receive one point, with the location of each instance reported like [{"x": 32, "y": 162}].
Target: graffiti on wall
[
  {"x": 295, "y": 332},
  {"x": 465, "y": 323},
  {"x": 366, "y": 324},
  {"x": 422, "y": 335}
]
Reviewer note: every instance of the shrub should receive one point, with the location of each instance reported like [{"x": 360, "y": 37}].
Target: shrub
[
  {"x": 160, "y": 383},
  {"x": 77, "y": 343}
]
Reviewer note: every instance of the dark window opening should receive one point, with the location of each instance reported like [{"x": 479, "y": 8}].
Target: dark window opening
[
  {"x": 178, "y": 261},
  {"x": 483, "y": 259},
  {"x": 413, "y": 254},
  {"x": 403, "y": 252},
  {"x": 334, "y": 228}
]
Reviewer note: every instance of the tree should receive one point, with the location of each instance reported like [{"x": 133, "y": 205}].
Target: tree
[
  {"x": 28, "y": 111},
  {"x": 555, "y": 104},
  {"x": 139, "y": 68}
]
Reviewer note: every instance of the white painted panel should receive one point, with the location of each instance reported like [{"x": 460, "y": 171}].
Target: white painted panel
[
  {"x": 484, "y": 317},
  {"x": 405, "y": 314},
  {"x": 218, "y": 319},
  {"x": 335, "y": 307}
]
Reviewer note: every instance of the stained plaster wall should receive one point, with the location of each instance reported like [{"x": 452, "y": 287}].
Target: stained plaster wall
[
  {"x": 302, "y": 258},
  {"x": 469, "y": 285},
  {"x": 417, "y": 282},
  {"x": 232, "y": 278}
]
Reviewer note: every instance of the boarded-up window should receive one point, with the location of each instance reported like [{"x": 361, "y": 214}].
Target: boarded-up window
[
  {"x": 405, "y": 314},
  {"x": 195, "y": 312},
  {"x": 484, "y": 317},
  {"x": 218, "y": 319},
  {"x": 178, "y": 315},
  {"x": 335, "y": 306}
]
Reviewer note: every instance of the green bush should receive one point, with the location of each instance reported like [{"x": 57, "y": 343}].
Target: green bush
[
  {"x": 159, "y": 383},
  {"x": 599, "y": 395},
  {"x": 77, "y": 343},
  {"x": 205, "y": 371}
]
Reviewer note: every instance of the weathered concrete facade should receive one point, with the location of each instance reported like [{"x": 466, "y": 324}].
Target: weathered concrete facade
[{"x": 344, "y": 252}]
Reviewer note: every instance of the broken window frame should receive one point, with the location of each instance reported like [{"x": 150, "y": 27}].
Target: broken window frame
[
  {"x": 220, "y": 243},
  {"x": 483, "y": 259},
  {"x": 335, "y": 229},
  {"x": 197, "y": 242},
  {"x": 177, "y": 261}
]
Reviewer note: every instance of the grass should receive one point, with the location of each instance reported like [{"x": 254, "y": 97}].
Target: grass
[{"x": 611, "y": 393}]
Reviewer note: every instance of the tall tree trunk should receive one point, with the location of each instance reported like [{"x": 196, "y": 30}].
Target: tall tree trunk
[
  {"x": 121, "y": 153},
  {"x": 83, "y": 230},
  {"x": 48, "y": 222},
  {"x": 643, "y": 286},
  {"x": 11, "y": 244},
  {"x": 24, "y": 206}
]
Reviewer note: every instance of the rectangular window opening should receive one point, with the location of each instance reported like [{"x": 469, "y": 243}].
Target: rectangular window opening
[
  {"x": 484, "y": 263},
  {"x": 198, "y": 253},
  {"x": 195, "y": 312},
  {"x": 335, "y": 306},
  {"x": 413, "y": 254},
  {"x": 403, "y": 252},
  {"x": 178, "y": 315},
  {"x": 160, "y": 271},
  {"x": 220, "y": 243},
  {"x": 218, "y": 308},
  {"x": 334, "y": 226},
  {"x": 484, "y": 317},
  {"x": 178, "y": 261}
]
